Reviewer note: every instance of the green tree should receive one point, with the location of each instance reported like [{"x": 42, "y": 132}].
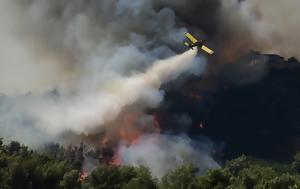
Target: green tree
[
  {"x": 183, "y": 177},
  {"x": 142, "y": 180},
  {"x": 14, "y": 147},
  {"x": 20, "y": 168},
  {"x": 238, "y": 164},
  {"x": 255, "y": 175},
  {"x": 285, "y": 181},
  {"x": 215, "y": 179},
  {"x": 296, "y": 162},
  {"x": 1, "y": 142},
  {"x": 120, "y": 177},
  {"x": 70, "y": 180}
]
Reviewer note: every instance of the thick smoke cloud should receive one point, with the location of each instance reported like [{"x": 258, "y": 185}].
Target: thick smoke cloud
[
  {"x": 269, "y": 26},
  {"x": 84, "y": 113},
  {"x": 97, "y": 55},
  {"x": 163, "y": 153},
  {"x": 92, "y": 52},
  {"x": 75, "y": 40},
  {"x": 46, "y": 38},
  {"x": 282, "y": 21}
]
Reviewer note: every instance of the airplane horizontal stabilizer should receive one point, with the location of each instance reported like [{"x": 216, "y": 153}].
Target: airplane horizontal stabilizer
[{"x": 186, "y": 44}]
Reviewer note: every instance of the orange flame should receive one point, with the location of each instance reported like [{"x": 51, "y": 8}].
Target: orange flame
[
  {"x": 156, "y": 122},
  {"x": 201, "y": 125},
  {"x": 83, "y": 175},
  {"x": 195, "y": 96},
  {"x": 116, "y": 160},
  {"x": 104, "y": 140},
  {"x": 129, "y": 131}
]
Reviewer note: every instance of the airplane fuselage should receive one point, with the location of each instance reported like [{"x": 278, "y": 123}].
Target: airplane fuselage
[{"x": 197, "y": 44}]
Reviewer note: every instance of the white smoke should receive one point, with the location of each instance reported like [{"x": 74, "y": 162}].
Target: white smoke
[
  {"x": 75, "y": 45},
  {"x": 97, "y": 55},
  {"x": 270, "y": 25},
  {"x": 163, "y": 153},
  {"x": 84, "y": 113}
]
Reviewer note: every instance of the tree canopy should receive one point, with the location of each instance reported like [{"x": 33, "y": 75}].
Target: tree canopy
[{"x": 55, "y": 168}]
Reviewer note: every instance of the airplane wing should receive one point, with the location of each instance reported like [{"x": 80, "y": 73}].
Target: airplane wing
[
  {"x": 190, "y": 37},
  {"x": 206, "y": 49}
]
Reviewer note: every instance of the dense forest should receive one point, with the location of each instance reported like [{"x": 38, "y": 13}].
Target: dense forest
[{"x": 21, "y": 168}]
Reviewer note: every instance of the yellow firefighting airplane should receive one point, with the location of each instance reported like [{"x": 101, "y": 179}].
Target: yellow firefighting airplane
[{"x": 196, "y": 43}]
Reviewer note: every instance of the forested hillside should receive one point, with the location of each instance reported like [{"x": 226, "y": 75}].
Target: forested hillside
[{"x": 21, "y": 168}]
